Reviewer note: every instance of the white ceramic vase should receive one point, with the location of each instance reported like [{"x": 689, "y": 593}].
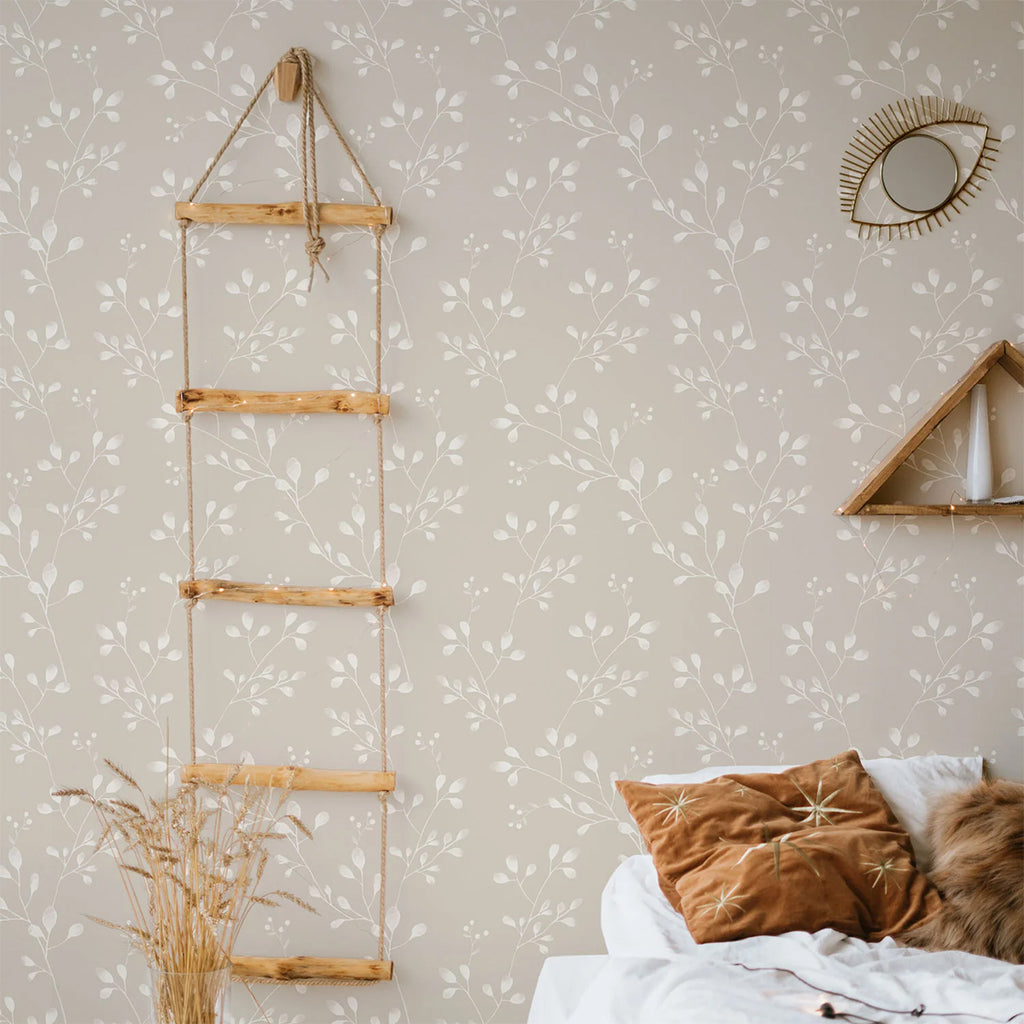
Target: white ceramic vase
[{"x": 979, "y": 450}]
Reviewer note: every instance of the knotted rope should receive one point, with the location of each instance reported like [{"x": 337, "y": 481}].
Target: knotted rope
[{"x": 307, "y": 152}]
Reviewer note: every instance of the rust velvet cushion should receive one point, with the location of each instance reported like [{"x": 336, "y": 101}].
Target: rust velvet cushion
[{"x": 812, "y": 847}]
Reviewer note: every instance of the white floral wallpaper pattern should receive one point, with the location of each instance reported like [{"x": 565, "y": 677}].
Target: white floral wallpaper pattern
[{"x": 637, "y": 359}]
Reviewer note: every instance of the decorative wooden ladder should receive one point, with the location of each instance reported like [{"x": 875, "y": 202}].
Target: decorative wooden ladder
[{"x": 293, "y": 77}]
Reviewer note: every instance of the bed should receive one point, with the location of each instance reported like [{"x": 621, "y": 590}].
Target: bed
[{"x": 655, "y": 972}]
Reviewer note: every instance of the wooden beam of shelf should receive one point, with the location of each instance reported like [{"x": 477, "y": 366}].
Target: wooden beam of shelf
[
  {"x": 320, "y": 968},
  {"x": 1012, "y": 361},
  {"x": 271, "y": 593},
  {"x": 332, "y": 214},
  {"x": 283, "y": 402},
  {"x": 325, "y": 780},
  {"x": 977, "y": 509}
]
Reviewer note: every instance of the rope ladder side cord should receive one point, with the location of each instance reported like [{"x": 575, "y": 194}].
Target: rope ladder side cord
[{"x": 310, "y": 100}]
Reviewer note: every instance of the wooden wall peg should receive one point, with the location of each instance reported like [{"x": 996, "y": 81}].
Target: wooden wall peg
[{"x": 287, "y": 79}]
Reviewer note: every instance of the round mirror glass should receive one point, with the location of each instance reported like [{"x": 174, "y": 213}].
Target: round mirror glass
[{"x": 919, "y": 173}]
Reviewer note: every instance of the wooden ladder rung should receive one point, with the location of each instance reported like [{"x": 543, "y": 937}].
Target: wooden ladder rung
[
  {"x": 321, "y": 968},
  {"x": 225, "y": 400},
  {"x": 272, "y": 593},
  {"x": 334, "y": 214},
  {"x": 325, "y": 780}
]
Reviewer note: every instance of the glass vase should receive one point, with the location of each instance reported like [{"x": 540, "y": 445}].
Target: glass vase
[{"x": 187, "y": 997}]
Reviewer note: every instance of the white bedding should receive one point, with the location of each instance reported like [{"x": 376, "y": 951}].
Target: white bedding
[
  {"x": 636, "y": 919},
  {"x": 748, "y": 982},
  {"x": 655, "y": 968},
  {"x": 657, "y": 974}
]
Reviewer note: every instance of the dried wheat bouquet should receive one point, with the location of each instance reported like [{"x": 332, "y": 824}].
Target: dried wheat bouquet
[{"x": 191, "y": 864}]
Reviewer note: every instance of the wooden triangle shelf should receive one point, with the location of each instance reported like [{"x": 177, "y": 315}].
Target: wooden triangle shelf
[{"x": 859, "y": 503}]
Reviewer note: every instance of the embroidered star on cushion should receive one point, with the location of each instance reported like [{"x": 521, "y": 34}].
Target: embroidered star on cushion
[{"x": 818, "y": 808}]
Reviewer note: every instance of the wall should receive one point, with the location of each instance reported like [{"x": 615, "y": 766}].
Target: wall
[{"x": 637, "y": 359}]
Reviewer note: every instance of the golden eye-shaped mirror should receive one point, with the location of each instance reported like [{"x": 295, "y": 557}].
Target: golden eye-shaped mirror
[{"x": 912, "y": 164}]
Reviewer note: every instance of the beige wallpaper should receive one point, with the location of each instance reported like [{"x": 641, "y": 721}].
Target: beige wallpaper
[{"x": 637, "y": 359}]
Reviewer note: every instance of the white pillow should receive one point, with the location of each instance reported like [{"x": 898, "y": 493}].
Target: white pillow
[
  {"x": 909, "y": 786},
  {"x": 714, "y": 771}
]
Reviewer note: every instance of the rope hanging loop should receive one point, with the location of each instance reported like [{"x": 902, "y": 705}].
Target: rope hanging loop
[{"x": 307, "y": 158}]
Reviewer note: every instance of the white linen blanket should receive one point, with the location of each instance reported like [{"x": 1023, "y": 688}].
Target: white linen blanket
[{"x": 783, "y": 980}]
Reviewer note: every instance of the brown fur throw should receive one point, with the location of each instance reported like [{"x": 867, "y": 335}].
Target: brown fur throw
[{"x": 978, "y": 835}]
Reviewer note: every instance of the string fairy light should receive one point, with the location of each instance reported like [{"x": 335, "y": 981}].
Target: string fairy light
[{"x": 828, "y": 1010}]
